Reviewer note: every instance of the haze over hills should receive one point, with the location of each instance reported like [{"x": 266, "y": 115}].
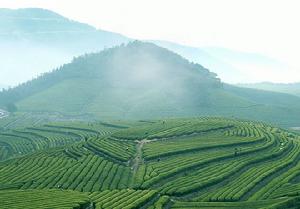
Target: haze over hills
[
  {"x": 289, "y": 88},
  {"x": 126, "y": 80},
  {"x": 232, "y": 66},
  {"x": 250, "y": 65},
  {"x": 28, "y": 33},
  {"x": 24, "y": 33},
  {"x": 142, "y": 80},
  {"x": 103, "y": 121}
]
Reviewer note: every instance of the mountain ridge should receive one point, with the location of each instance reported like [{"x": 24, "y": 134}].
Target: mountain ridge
[
  {"x": 58, "y": 39},
  {"x": 141, "y": 81}
]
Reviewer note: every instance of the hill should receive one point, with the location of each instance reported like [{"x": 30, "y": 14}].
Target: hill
[
  {"x": 289, "y": 88},
  {"x": 57, "y": 39},
  {"x": 25, "y": 33},
  {"x": 224, "y": 69},
  {"x": 129, "y": 77},
  {"x": 142, "y": 80},
  {"x": 178, "y": 163}
]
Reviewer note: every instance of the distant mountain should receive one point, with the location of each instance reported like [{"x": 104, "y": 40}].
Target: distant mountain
[
  {"x": 289, "y": 88},
  {"x": 254, "y": 67},
  {"x": 142, "y": 80},
  {"x": 42, "y": 40},
  {"x": 224, "y": 70},
  {"x": 26, "y": 33},
  {"x": 232, "y": 66}
]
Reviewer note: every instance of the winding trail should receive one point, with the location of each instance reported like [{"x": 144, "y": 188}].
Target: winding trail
[{"x": 138, "y": 160}]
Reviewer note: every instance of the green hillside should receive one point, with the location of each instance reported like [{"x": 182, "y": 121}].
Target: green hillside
[
  {"x": 141, "y": 80},
  {"x": 175, "y": 163}
]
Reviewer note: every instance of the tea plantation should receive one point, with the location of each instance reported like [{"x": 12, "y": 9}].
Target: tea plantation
[{"x": 187, "y": 163}]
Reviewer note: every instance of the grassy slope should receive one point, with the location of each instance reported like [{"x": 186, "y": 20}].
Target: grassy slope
[
  {"x": 142, "y": 81},
  {"x": 264, "y": 169},
  {"x": 122, "y": 103}
]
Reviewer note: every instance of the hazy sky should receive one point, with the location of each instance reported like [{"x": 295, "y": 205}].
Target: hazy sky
[{"x": 269, "y": 27}]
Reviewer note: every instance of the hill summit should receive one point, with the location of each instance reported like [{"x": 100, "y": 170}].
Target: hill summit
[
  {"x": 127, "y": 80},
  {"x": 141, "y": 80}
]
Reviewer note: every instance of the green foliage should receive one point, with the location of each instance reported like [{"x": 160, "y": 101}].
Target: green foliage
[
  {"x": 41, "y": 199},
  {"x": 270, "y": 204},
  {"x": 122, "y": 151},
  {"x": 122, "y": 199},
  {"x": 142, "y": 80},
  {"x": 179, "y": 163}
]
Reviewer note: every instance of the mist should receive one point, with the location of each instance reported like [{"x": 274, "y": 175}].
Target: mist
[
  {"x": 21, "y": 62},
  {"x": 141, "y": 77},
  {"x": 149, "y": 104},
  {"x": 35, "y": 41}
]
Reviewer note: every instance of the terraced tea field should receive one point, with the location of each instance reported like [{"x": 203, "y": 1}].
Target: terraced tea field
[{"x": 175, "y": 163}]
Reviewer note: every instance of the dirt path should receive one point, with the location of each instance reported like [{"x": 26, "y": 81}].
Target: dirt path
[{"x": 138, "y": 160}]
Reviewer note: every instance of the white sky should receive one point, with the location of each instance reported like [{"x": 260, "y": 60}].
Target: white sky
[{"x": 270, "y": 27}]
